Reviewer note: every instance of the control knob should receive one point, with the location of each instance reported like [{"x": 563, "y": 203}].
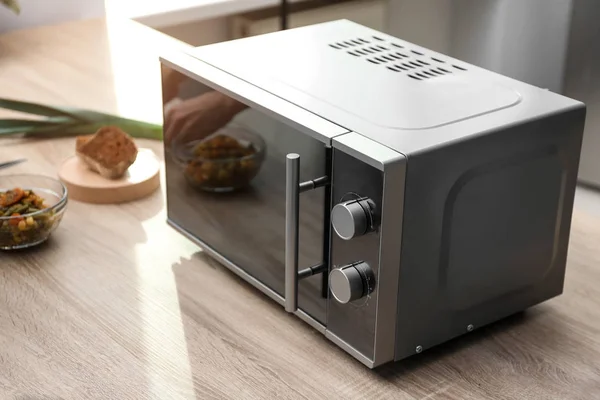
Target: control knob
[
  {"x": 351, "y": 282},
  {"x": 353, "y": 218}
]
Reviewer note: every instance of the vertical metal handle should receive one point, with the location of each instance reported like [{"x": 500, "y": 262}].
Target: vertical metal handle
[{"x": 292, "y": 216}]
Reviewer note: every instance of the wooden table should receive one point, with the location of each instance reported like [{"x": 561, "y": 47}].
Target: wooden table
[{"x": 119, "y": 306}]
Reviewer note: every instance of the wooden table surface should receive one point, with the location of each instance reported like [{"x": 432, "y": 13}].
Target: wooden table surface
[{"x": 117, "y": 305}]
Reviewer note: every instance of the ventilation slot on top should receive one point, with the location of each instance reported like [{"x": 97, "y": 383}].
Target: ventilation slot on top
[
  {"x": 350, "y": 43},
  {"x": 427, "y": 73},
  {"x": 409, "y": 62}
]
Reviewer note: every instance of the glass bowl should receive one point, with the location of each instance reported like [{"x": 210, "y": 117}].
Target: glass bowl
[
  {"x": 227, "y": 160},
  {"x": 18, "y": 231}
]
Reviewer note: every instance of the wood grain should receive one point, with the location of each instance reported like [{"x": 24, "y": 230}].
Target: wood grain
[{"x": 119, "y": 306}]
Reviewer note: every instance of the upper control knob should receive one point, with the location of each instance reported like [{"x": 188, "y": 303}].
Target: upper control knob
[
  {"x": 351, "y": 282},
  {"x": 353, "y": 218}
]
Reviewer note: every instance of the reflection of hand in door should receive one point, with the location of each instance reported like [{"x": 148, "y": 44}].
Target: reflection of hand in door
[{"x": 199, "y": 116}]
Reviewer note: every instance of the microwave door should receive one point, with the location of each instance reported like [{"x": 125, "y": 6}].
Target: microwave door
[{"x": 213, "y": 143}]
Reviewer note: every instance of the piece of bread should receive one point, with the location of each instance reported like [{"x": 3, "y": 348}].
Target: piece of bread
[{"x": 109, "y": 151}]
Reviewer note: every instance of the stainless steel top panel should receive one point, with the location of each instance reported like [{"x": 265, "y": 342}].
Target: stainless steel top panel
[{"x": 401, "y": 95}]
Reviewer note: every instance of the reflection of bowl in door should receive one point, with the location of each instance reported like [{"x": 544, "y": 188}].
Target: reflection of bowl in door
[{"x": 227, "y": 160}]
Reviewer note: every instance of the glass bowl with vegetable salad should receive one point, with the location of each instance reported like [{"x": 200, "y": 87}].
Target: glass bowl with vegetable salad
[{"x": 31, "y": 208}]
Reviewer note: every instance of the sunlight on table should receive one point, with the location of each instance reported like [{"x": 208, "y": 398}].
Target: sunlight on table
[{"x": 136, "y": 68}]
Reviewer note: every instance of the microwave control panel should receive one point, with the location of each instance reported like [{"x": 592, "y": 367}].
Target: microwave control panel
[{"x": 355, "y": 239}]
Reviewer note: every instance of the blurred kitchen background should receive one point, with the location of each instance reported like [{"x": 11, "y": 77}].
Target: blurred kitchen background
[{"x": 553, "y": 44}]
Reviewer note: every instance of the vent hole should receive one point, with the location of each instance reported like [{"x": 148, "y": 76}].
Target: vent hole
[
  {"x": 353, "y": 53},
  {"x": 378, "y": 38},
  {"x": 402, "y": 54},
  {"x": 342, "y": 45},
  {"x": 374, "y": 49},
  {"x": 380, "y": 59},
  {"x": 349, "y": 43},
  {"x": 421, "y": 75},
  {"x": 382, "y": 48},
  {"x": 368, "y": 51},
  {"x": 393, "y": 69},
  {"x": 444, "y": 70},
  {"x": 414, "y": 77},
  {"x": 372, "y": 61},
  {"x": 401, "y": 67},
  {"x": 335, "y": 47},
  {"x": 397, "y": 45},
  {"x": 437, "y": 72},
  {"x": 395, "y": 56},
  {"x": 408, "y": 66},
  {"x": 457, "y": 67},
  {"x": 388, "y": 58},
  {"x": 356, "y": 42},
  {"x": 417, "y": 52},
  {"x": 423, "y": 62},
  {"x": 414, "y": 64},
  {"x": 364, "y": 41},
  {"x": 360, "y": 52},
  {"x": 429, "y": 74},
  {"x": 438, "y": 60}
]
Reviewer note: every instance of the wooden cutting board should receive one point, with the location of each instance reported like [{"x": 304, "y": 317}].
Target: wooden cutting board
[{"x": 85, "y": 185}]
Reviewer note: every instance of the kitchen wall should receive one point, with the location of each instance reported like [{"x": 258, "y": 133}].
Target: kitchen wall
[
  {"x": 206, "y": 31},
  {"x": 526, "y": 40},
  {"x": 582, "y": 82},
  {"x": 46, "y": 12},
  {"x": 426, "y": 23}
]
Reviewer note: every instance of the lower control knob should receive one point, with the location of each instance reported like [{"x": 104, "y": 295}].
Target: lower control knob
[{"x": 351, "y": 282}]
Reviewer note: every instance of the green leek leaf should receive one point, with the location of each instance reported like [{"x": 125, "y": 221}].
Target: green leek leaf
[
  {"x": 13, "y": 126},
  {"x": 69, "y": 121},
  {"x": 12, "y": 4},
  {"x": 34, "y": 108}
]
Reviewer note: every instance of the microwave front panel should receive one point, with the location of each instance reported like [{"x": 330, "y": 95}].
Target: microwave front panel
[{"x": 245, "y": 226}]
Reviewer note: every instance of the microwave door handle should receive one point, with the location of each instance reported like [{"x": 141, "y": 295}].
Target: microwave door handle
[{"x": 292, "y": 216}]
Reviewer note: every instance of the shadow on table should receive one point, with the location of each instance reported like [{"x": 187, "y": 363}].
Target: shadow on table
[
  {"x": 442, "y": 352},
  {"x": 475, "y": 365},
  {"x": 513, "y": 356}
]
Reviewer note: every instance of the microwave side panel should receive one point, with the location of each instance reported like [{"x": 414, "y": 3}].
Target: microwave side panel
[{"x": 486, "y": 228}]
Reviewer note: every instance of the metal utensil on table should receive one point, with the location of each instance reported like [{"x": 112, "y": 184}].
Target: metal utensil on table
[{"x": 12, "y": 163}]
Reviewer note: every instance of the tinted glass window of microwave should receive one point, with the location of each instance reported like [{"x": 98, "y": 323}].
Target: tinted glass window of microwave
[{"x": 225, "y": 176}]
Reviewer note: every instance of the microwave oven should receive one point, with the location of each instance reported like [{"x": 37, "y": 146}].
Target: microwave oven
[{"x": 391, "y": 197}]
